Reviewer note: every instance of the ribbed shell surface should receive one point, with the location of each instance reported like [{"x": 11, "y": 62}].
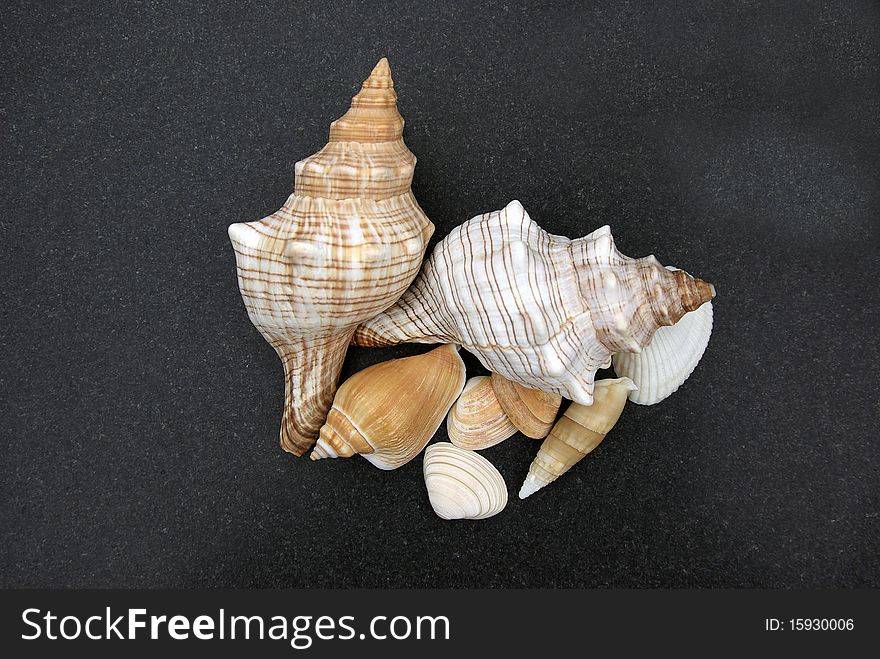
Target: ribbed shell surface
[
  {"x": 320, "y": 264},
  {"x": 541, "y": 310},
  {"x": 673, "y": 354},
  {"x": 462, "y": 484},
  {"x": 344, "y": 246}
]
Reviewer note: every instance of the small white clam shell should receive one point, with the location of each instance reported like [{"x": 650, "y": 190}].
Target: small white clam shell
[
  {"x": 665, "y": 363},
  {"x": 462, "y": 484}
]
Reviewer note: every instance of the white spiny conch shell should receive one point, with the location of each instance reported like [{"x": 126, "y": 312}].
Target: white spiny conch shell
[
  {"x": 530, "y": 410},
  {"x": 389, "y": 411},
  {"x": 539, "y": 309},
  {"x": 581, "y": 429},
  {"x": 673, "y": 354},
  {"x": 345, "y": 245},
  {"x": 476, "y": 421},
  {"x": 462, "y": 484}
]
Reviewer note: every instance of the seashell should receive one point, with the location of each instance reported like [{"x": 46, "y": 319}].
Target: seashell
[
  {"x": 530, "y": 410},
  {"x": 581, "y": 429},
  {"x": 669, "y": 359},
  {"x": 476, "y": 421},
  {"x": 462, "y": 484},
  {"x": 345, "y": 245},
  {"x": 389, "y": 411},
  {"x": 541, "y": 310}
]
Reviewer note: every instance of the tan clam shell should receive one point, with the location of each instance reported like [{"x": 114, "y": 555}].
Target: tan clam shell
[
  {"x": 580, "y": 430},
  {"x": 530, "y": 410},
  {"x": 476, "y": 421},
  {"x": 462, "y": 484},
  {"x": 388, "y": 412},
  {"x": 345, "y": 245},
  {"x": 541, "y": 310}
]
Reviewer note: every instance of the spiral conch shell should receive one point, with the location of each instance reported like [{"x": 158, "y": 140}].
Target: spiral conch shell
[
  {"x": 345, "y": 245},
  {"x": 541, "y": 310},
  {"x": 389, "y": 411},
  {"x": 476, "y": 420},
  {"x": 581, "y": 429},
  {"x": 462, "y": 484}
]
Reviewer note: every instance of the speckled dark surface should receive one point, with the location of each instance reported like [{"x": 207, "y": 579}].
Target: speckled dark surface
[{"x": 139, "y": 408}]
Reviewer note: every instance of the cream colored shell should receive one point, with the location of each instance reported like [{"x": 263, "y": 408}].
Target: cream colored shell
[
  {"x": 462, "y": 484},
  {"x": 673, "y": 354},
  {"x": 388, "y": 412},
  {"x": 476, "y": 421},
  {"x": 541, "y": 310},
  {"x": 345, "y": 245},
  {"x": 580, "y": 430}
]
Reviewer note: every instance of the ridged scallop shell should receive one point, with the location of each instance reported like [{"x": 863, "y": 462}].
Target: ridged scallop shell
[
  {"x": 462, "y": 484},
  {"x": 541, "y": 310},
  {"x": 580, "y": 430},
  {"x": 388, "y": 412},
  {"x": 530, "y": 410},
  {"x": 345, "y": 245},
  {"x": 476, "y": 421},
  {"x": 673, "y": 354}
]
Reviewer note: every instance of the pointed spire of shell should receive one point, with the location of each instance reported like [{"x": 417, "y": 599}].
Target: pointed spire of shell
[
  {"x": 635, "y": 296},
  {"x": 366, "y": 156},
  {"x": 673, "y": 293},
  {"x": 373, "y": 116},
  {"x": 580, "y": 430},
  {"x": 332, "y": 257}
]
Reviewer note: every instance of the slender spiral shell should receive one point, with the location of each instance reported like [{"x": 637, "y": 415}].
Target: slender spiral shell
[
  {"x": 541, "y": 310},
  {"x": 580, "y": 430},
  {"x": 462, "y": 484},
  {"x": 345, "y": 245}
]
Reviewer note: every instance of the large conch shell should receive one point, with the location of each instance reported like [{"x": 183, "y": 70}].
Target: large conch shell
[
  {"x": 673, "y": 354},
  {"x": 388, "y": 412},
  {"x": 462, "y": 484},
  {"x": 539, "y": 309},
  {"x": 345, "y": 245},
  {"x": 581, "y": 429},
  {"x": 476, "y": 421}
]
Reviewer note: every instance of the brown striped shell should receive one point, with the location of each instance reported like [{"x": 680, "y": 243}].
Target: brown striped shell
[
  {"x": 388, "y": 412},
  {"x": 477, "y": 421},
  {"x": 541, "y": 310},
  {"x": 345, "y": 245}
]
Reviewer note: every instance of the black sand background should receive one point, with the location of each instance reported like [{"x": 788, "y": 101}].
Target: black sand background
[{"x": 139, "y": 408}]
